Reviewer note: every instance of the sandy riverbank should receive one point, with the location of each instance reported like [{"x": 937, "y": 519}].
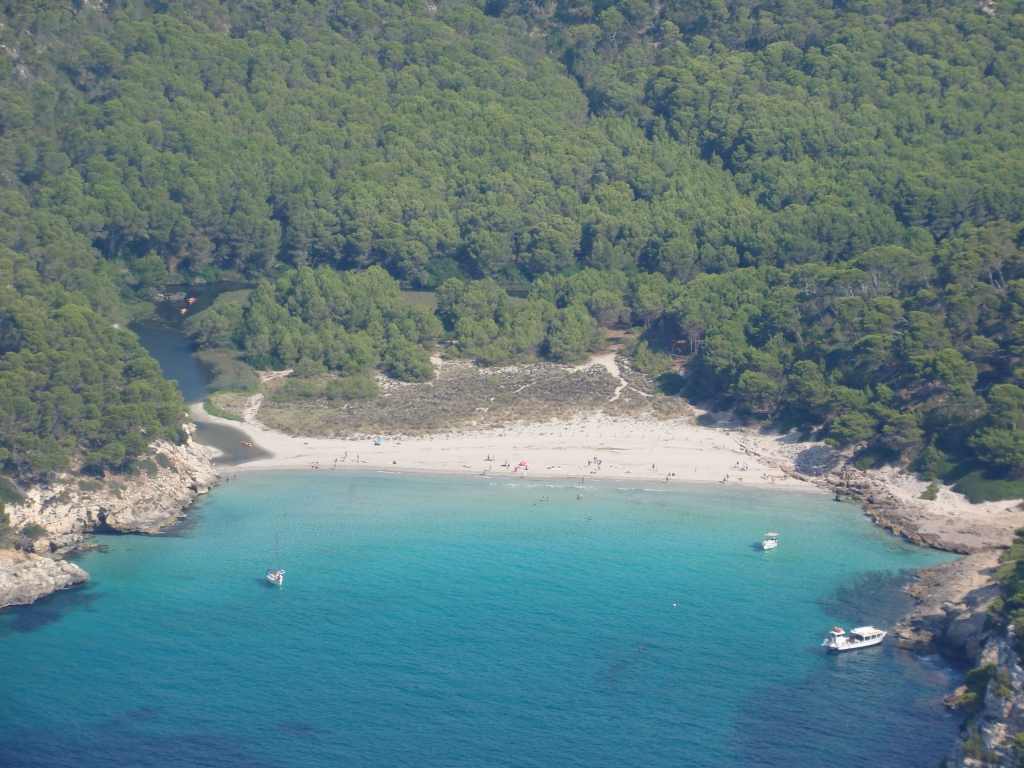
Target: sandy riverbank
[{"x": 627, "y": 448}]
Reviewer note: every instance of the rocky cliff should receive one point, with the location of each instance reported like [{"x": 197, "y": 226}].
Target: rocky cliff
[
  {"x": 994, "y": 734},
  {"x": 952, "y": 606},
  {"x": 70, "y": 508}
]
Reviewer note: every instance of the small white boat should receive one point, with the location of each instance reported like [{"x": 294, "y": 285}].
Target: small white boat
[
  {"x": 861, "y": 637},
  {"x": 771, "y": 541},
  {"x": 276, "y": 575}
]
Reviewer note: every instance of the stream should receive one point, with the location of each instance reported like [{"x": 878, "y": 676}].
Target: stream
[{"x": 163, "y": 336}]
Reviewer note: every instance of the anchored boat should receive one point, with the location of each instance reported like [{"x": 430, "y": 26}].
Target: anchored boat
[
  {"x": 276, "y": 575},
  {"x": 861, "y": 637},
  {"x": 771, "y": 541}
]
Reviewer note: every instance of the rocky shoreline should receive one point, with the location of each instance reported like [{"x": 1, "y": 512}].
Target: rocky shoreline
[
  {"x": 952, "y": 615},
  {"x": 69, "y": 509},
  {"x": 25, "y": 577},
  {"x": 952, "y": 598}
]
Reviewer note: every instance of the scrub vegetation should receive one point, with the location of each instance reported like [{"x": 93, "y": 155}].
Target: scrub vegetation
[{"x": 462, "y": 396}]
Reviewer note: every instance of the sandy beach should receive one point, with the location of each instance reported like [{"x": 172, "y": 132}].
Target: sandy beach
[
  {"x": 596, "y": 446},
  {"x": 588, "y": 447}
]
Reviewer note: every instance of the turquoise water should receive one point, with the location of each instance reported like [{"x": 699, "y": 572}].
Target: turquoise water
[{"x": 442, "y": 622}]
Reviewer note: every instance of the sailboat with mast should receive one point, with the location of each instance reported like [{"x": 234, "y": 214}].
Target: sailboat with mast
[{"x": 276, "y": 575}]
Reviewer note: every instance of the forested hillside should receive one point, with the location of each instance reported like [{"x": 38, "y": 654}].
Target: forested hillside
[
  {"x": 818, "y": 206},
  {"x": 72, "y": 387}
]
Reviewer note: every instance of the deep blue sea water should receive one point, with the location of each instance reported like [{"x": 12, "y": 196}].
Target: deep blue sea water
[{"x": 465, "y": 622}]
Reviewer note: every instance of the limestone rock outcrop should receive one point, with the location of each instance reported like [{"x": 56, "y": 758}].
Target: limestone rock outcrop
[
  {"x": 988, "y": 738},
  {"x": 950, "y": 615},
  {"x": 25, "y": 577},
  {"x": 143, "y": 504},
  {"x": 70, "y": 508}
]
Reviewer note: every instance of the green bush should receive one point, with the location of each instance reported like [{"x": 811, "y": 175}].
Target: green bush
[
  {"x": 9, "y": 494},
  {"x": 304, "y": 388},
  {"x": 145, "y": 465},
  {"x": 1003, "y": 683},
  {"x": 974, "y": 747},
  {"x": 34, "y": 531},
  {"x": 352, "y": 388},
  {"x": 646, "y": 360},
  {"x": 976, "y": 681},
  {"x": 670, "y": 383},
  {"x": 978, "y": 488},
  {"x": 931, "y": 464}
]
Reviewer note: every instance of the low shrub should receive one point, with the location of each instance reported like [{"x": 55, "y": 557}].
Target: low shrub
[
  {"x": 227, "y": 372},
  {"x": 33, "y": 531},
  {"x": 352, "y": 388},
  {"x": 302, "y": 388},
  {"x": 144, "y": 465},
  {"x": 978, "y": 488},
  {"x": 646, "y": 360},
  {"x": 976, "y": 681},
  {"x": 9, "y": 494},
  {"x": 670, "y": 383},
  {"x": 213, "y": 410}
]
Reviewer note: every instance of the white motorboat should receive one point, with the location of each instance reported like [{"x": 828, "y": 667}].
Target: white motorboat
[
  {"x": 771, "y": 541},
  {"x": 861, "y": 637},
  {"x": 276, "y": 575}
]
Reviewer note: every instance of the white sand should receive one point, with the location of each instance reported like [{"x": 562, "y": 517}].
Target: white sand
[{"x": 644, "y": 450}]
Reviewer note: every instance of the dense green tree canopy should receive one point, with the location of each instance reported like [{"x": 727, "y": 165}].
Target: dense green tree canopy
[
  {"x": 74, "y": 390},
  {"x": 817, "y": 206},
  {"x": 315, "y": 320}
]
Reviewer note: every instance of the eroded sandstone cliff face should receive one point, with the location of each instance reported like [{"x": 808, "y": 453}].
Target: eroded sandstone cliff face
[{"x": 69, "y": 509}]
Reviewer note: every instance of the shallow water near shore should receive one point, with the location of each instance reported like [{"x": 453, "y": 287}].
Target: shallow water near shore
[{"x": 440, "y": 621}]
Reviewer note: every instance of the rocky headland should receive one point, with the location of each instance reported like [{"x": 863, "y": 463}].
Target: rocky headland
[
  {"x": 25, "y": 577},
  {"x": 957, "y": 603},
  {"x": 64, "y": 512}
]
